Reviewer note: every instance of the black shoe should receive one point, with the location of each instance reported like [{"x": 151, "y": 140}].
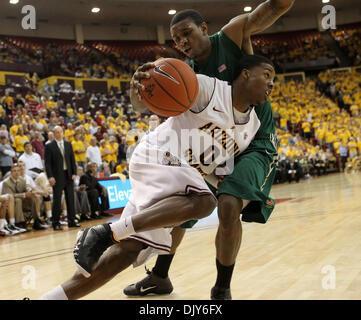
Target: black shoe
[
  {"x": 150, "y": 284},
  {"x": 21, "y": 225},
  {"x": 95, "y": 216},
  {"x": 85, "y": 217},
  {"x": 221, "y": 294},
  {"x": 106, "y": 214},
  {"x": 73, "y": 224},
  {"x": 90, "y": 245},
  {"x": 39, "y": 226},
  {"x": 57, "y": 227}
]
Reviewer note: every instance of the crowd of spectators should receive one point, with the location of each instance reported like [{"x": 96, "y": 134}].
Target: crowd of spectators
[
  {"x": 100, "y": 136},
  {"x": 105, "y": 60},
  {"x": 11, "y": 54},
  {"x": 67, "y": 58},
  {"x": 319, "y": 125},
  {"x": 349, "y": 40},
  {"x": 280, "y": 52}
]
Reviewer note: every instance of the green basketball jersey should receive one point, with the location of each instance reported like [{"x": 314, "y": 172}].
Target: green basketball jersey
[
  {"x": 223, "y": 60},
  {"x": 222, "y": 64}
]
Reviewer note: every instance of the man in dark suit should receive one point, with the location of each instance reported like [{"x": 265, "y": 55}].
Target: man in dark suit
[
  {"x": 95, "y": 190},
  {"x": 61, "y": 170}
]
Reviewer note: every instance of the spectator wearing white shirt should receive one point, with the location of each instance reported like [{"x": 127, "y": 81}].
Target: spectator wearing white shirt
[
  {"x": 94, "y": 127},
  {"x": 32, "y": 161},
  {"x": 41, "y": 191},
  {"x": 93, "y": 153}
]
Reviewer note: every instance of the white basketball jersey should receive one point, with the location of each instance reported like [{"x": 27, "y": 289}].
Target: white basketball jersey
[{"x": 210, "y": 133}]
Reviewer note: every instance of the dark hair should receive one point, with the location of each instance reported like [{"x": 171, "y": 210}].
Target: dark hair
[
  {"x": 250, "y": 61},
  {"x": 26, "y": 143},
  {"x": 185, "y": 14}
]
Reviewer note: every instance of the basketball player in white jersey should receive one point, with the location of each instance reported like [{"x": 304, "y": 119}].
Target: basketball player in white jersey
[{"x": 166, "y": 173}]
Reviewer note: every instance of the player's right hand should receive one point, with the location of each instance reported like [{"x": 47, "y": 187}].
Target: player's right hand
[{"x": 140, "y": 73}]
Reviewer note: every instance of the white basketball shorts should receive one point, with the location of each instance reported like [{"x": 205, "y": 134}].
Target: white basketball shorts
[{"x": 155, "y": 175}]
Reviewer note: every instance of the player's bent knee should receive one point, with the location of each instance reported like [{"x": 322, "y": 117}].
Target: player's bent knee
[
  {"x": 204, "y": 206},
  {"x": 229, "y": 210},
  {"x": 129, "y": 248}
]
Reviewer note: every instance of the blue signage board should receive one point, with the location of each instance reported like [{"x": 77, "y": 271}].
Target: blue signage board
[{"x": 118, "y": 192}]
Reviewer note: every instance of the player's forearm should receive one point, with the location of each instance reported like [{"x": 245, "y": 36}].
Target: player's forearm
[
  {"x": 265, "y": 15},
  {"x": 282, "y": 4}
]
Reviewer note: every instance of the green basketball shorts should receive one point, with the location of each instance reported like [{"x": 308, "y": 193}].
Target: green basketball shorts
[{"x": 251, "y": 179}]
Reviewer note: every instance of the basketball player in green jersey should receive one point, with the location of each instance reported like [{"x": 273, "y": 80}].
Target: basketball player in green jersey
[{"x": 218, "y": 56}]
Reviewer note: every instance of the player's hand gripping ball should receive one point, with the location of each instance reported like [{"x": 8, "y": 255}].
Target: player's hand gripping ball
[{"x": 171, "y": 89}]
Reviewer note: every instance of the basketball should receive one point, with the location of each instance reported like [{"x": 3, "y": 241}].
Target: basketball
[{"x": 171, "y": 89}]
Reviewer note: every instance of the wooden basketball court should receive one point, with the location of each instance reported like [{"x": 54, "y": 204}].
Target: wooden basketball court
[{"x": 309, "y": 249}]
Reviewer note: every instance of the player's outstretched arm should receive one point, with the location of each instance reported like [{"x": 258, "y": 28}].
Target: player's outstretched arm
[
  {"x": 257, "y": 21},
  {"x": 136, "y": 86}
]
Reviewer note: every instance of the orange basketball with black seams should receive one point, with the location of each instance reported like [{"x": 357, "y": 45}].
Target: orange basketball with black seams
[{"x": 171, "y": 89}]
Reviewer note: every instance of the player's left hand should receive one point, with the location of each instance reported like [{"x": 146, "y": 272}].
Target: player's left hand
[{"x": 140, "y": 73}]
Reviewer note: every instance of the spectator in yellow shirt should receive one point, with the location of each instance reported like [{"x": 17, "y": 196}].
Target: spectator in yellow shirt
[
  {"x": 69, "y": 111},
  {"x": 344, "y": 134},
  {"x": 125, "y": 123},
  {"x": 114, "y": 148},
  {"x": 359, "y": 145},
  {"x": 79, "y": 149},
  {"x": 69, "y": 133},
  {"x": 8, "y": 101},
  {"x": 352, "y": 147},
  {"x": 42, "y": 117},
  {"x": 81, "y": 115},
  {"x": 105, "y": 151},
  {"x": 50, "y": 104},
  {"x": 19, "y": 140},
  {"x": 354, "y": 110},
  {"x": 283, "y": 123},
  {"x": 106, "y": 139},
  {"x": 87, "y": 136},
  {"x": 306, "y": 127},
  {"x": 14, "y": 128},
  {"x": 122, "y": 168},
  {"x": 336, "y": 145},
  {"x": 141, "y": 125},
  {"x": 330, "y": 138}
]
